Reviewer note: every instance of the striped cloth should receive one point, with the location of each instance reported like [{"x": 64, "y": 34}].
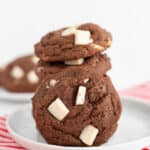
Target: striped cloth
[
  {"x": 6, "y": 142},
  {"x": 141, "y": 91}
]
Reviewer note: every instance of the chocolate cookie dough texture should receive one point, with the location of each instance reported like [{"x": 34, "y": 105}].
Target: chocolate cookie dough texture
[
  {"x": 73, "y": 43},
  {"x": 82, "y": 108},
  {"x": 98, "y": 62},
  {"x": 20, "y": 75},
  {"x": 76, "y": 103}
]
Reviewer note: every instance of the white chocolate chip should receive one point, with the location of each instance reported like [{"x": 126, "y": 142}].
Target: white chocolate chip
[
  {"x": 75, "y": 62},
  {"x": 82, "y": 37},
  {"x": 109, "y": 43},
  {"x": 96, "y": 46},
  {"x": 69, "y": 31},
  {"x": 80, "y": 99},
  {"x": 35, "y": 60},
  {"x": 32, "y": 77},
  {"x": 58, "y": 109},
  {"x": 39, "y": 69},
  {"x": 86, "y": 80},
  {"x": 88, "y": 135},
  {"x": 53, "y": 82},
  {"x": 17, "y": 72}
]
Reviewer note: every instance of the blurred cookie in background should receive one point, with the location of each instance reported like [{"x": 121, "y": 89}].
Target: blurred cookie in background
[
  {"x": 2, "y": 69},
  {"x": 20, "y": 75}
]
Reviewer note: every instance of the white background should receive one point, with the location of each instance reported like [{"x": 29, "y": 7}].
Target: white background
[{"x": 23, "y": 22}]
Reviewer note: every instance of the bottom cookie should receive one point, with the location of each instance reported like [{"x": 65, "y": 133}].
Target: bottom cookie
[{"x": 76, "y": 108}]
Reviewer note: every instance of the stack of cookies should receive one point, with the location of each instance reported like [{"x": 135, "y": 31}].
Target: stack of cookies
[{"x": 76, "y": 103}]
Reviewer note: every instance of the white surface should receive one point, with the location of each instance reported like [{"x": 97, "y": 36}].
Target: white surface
[
  {"x": 11, "y": 101},
  {"x": 24, "y": 22},
  {"x": 133, "y": 131},
  {"x": 8, "y": 96}
]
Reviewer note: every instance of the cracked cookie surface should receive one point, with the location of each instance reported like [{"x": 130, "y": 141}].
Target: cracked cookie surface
[
  {"x": 101, "y": 108},
  {"x": 54, "y": 46}
]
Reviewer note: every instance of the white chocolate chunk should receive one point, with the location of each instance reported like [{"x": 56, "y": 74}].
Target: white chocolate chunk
[
  {"x": 80, "y": 99},
  {"x": 75, "y": 62},
  {"x": 109, "y": 42},
  {"x": 58, "y": 109},
  {"x": 88, "y": 135},
  {"x": 39, "y": 69},
  {"x": 35, "y": 60},
  {"x": 82, "y": 37},
  {"x": 53, "y": 82},
  {"x": 32, "y": 77},
  {"x": 96, "y": 46},
  {"x": 69, "y": 31},
  {"x": 86, "y": 80},
  {"x": 17, "y": 72}
]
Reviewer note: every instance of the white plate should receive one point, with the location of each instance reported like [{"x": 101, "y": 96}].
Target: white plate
[
  {"x": 133, "y": 132},
  {"x": 5, "y": 95}
]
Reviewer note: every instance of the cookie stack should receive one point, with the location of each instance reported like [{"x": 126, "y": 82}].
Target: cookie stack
[{"x": 76, "y": 104}]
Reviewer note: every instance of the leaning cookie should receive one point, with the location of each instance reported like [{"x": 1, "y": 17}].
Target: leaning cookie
[
  {"x": 20, "y": 75},
  {"x": 99, "y": 62},
  {"x": 76, "y": 108},
  {"x": 73, "y": 43}
]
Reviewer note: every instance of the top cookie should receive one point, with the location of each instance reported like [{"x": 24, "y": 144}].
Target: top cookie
[{"x": 73, "y": 43}]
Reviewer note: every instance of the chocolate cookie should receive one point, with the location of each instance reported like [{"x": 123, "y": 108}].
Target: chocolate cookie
[
  {"x": 1, "y": 75},
  {"x": 20, "y": 75},
  {"x": 99, "y": 62},
  {"x": 73, "y": 43},
  {"x": 76, "y": 108}
]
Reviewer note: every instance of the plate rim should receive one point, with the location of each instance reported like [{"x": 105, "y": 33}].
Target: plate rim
[
  {"x": 24, "y": 139},
  {"x": 28, "y": 95}
]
